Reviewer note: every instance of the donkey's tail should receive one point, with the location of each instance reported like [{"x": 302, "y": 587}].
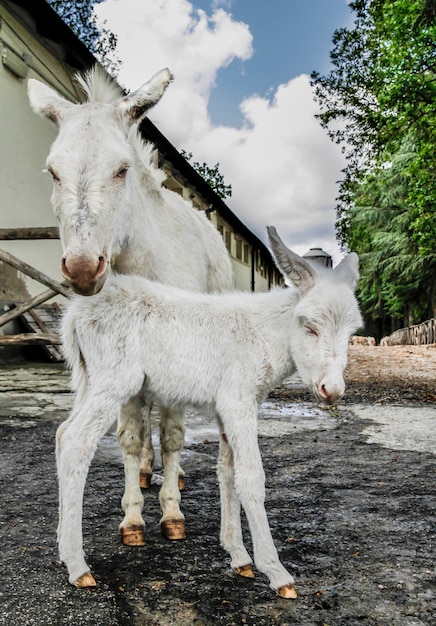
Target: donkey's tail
[{"x": 73, "y": 354}]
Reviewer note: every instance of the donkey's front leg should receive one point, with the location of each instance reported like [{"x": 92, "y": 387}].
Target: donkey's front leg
[
  {"x": 133, "y": 416},
  {"x": 172, "y": 433},
  {"x": 240, "y": 424},
  {"x": 76, "y": 442}
]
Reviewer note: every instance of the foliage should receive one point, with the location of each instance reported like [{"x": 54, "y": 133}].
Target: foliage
[
  {"x": 211, "y": 175},
  {"x": 378, "y": 102},
  {"x": 99, "y": 40},
  {"x": 397, "y": 276}
]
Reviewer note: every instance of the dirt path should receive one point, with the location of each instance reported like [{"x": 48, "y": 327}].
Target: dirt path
[{"x": 352, "y": 519}]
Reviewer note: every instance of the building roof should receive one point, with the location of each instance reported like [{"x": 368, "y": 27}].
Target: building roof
[
  {"x": 54, "y": 32},
  {"x": 58, "y": 36}
]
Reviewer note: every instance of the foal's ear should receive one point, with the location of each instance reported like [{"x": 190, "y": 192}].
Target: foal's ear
[
  {"x": 135, "y": 105},
  {"x": 292, "y": 266},
  {"x": 348, "y": 269},
  {"x": 45, "y": 101}
]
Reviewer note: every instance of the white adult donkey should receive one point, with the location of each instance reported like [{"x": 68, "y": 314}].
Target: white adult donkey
[
  {"x": 113, "y": 211},
  {"x": 226, "y": 351}
]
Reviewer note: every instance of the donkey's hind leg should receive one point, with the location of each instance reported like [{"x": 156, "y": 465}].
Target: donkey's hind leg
[
  {"x": 172, "y": 433},
  {"x": 130, "y": 434},
  {"x": 147, "y": 452}
]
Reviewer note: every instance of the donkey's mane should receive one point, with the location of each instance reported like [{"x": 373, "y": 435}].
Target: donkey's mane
[
  {"x": 99, "y": 86},
  {"x": 146, "y": 152}
]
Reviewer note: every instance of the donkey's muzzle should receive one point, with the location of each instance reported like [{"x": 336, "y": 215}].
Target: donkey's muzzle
[{"x": 85, "y": 275}]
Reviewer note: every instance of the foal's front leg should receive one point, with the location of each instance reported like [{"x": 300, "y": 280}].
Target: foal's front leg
[
  {"x": 76, "y": 442},
  {"x": 240, "y": 424},
  {"x": 231, "y": 531}
]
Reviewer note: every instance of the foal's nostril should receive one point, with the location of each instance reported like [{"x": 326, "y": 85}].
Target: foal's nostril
[
  {"x": 324, "y": 391},
  {"x": 101, "y": 267}
]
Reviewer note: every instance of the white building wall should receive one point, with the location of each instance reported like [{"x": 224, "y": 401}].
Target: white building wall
[{"x": 25, "y": 139}]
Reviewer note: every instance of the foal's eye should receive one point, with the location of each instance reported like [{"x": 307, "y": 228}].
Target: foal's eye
[
  {"x": 310, "y": 330},
  {"x": 54, "y": 175},
  {"x": 122, "y": 172}
]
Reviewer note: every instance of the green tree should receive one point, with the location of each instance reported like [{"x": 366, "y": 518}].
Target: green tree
[
  {"x": 397, "y": 277},
  {"x": 378, "y": 102},
  {"x": 80, "y": 17},
  {"x": 211, "y": 175}
]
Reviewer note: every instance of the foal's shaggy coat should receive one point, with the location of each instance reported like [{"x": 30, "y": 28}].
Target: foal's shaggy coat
[{"x": 226, "y": 351}]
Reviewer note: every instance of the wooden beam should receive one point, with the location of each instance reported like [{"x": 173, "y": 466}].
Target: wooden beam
[
  {"x": 46, "y": 232},
  {"x": 29, "y": 304},
  {"x": 30, "y": 339},
  {"x": 10, "y": 259}
]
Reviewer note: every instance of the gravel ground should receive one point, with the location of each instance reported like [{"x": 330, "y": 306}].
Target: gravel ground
[
  {"x": 353, "y": 520},
  {"x": 382, "y": 375}
]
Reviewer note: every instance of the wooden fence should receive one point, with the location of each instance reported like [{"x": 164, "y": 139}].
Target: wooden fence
[
  {"x": 54, "y": 287},
  {"x": 417, "y": 335}
]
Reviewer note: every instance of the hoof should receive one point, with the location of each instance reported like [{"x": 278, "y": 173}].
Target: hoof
[
  {"x": 181, "y": 483},
  {"x": 86, "y": 580},
  {"x": 145, "y": 480},
  {"x": 132, "y": 535},
  {"x": 245, "y": 570},
  {"x": 287, "y": 591},
  {"x": 173, "y": 529}
]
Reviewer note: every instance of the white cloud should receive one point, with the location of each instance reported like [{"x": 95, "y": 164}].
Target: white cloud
[{"x": 280, "y": 163}]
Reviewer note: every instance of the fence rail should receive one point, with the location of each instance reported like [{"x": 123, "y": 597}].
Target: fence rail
[
  {"x": 417, "y": 335},
  {"x": 41, "y": 336}
]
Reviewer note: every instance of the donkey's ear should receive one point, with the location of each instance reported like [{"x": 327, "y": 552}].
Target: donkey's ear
[
  {"x": 136, "y": 105},
  {"x": 348, "y": 269},
  {"x": 292, "y": 266},
  {"x": 45, "y": 101}
]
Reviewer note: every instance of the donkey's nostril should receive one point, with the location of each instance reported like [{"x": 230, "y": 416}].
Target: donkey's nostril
[
  {"x": 83, "y": 272},
  {"x": 64, "y": 268}
]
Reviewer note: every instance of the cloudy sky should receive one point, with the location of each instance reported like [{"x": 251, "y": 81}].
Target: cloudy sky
[{"x": 242, "y": 98}]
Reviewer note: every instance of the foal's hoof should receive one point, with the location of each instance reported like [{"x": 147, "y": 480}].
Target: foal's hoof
[
  {"x": 173, "y": 529},
  {"x": 287, "y": 591},
  {"x": 86, "y": 580},
  {"x": 145, "y": 479},
  {"x": 181, "y": 483},
  {"x": 132, "y": 535},
  {"x": 245, "y": 570}
]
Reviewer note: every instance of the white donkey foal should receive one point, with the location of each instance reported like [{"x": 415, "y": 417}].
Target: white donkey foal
[{"x": 226, "y": 351}]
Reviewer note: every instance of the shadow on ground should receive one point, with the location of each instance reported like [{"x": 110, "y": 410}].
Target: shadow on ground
[{"x": 352, "y": 521}]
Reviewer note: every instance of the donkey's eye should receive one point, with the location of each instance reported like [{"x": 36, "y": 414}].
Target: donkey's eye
[
  {"x": 122, "y": 172},
  {"x": 310, "y": 330},
  {"x": 54, "y": 174}
]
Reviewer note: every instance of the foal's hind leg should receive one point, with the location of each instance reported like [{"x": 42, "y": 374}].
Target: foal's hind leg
[
  {"x": 172, "y": 432},
  {"x": 130, "y": 434}
]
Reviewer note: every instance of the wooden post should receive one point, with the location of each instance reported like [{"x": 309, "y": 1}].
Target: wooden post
[{"x": 10, "y": 259}]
